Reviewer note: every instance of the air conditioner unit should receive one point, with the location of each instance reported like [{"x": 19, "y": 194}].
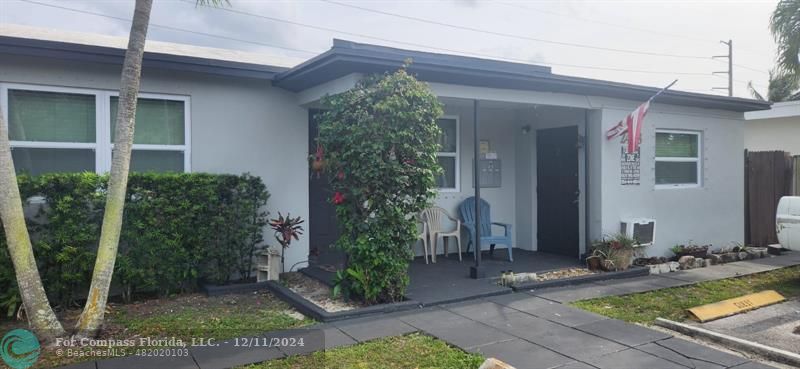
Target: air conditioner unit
[{"x": 643, "y": 230}]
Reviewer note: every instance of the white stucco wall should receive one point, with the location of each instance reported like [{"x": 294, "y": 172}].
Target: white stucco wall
[
  {"x": 711, "y": 214},
  {"x": 238, "y": 125},
  {"x": 773, "y": 134},
  {"x": 241, "y": 125},
  {"x": 497, "y": 126}
]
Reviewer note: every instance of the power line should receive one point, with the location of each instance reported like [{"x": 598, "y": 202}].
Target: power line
[
  {"x": 359, "y": 35},
  {"x": 516, "y": 36},
  {"x": 223, "y": 37},
  {"x": 584, "y": 19},
  {"x": 448, "y": 50},
  {"x": 622, "y": 26}
]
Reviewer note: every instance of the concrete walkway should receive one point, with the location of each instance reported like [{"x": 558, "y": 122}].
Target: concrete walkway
[{"x": 529, "y": 330}]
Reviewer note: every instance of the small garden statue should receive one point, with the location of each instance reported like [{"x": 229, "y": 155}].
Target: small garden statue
[{"x": 286, "y": 229}]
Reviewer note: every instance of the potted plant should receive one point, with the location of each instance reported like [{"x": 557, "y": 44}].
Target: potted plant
[
  {"x": 594, "y": 262},
  {"x": 286, "y": 229},
  {"x": 696, "y": 251},
  {"x": 615, "y": 251}
]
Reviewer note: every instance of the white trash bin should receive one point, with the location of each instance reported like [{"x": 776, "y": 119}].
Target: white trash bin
[{"x": 787, "y": 222}]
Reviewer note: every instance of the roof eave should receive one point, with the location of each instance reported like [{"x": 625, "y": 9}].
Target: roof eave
[
  {"x": 335, "y": 63},
  {"x": 110, "y": 55}
]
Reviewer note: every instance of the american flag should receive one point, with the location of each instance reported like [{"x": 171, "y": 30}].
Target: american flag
[{"x": 632, "y": 126}]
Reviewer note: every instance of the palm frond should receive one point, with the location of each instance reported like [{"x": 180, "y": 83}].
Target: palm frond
[{"x": 785, "y": 28}]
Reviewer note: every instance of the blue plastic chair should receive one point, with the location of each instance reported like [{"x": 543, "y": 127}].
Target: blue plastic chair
[{"x": 467, "y": 210}]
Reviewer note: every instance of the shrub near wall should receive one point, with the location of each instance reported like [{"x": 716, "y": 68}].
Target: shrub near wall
[
  {"x": 380, "y": 139},
  {"x": 178, "y": 229}
]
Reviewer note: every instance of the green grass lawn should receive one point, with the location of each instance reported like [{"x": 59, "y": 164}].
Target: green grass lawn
[
  {"x": 671, "y": 303},
  {"x": 404, "y": 352},
  {"x": 183, "y": 317}
]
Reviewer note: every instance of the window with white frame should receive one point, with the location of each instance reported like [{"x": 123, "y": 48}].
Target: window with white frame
[
  {"x": 448, "y": 155},
  {"x": 56, "y": 129},
  {"x": 678, "y": 158}
]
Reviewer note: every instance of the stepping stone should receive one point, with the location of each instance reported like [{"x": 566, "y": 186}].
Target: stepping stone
[
  {"x": 667, "y": 354},
  {"x": 371, "y": 328},
  {"x": 523, "y": 354},
  {"x": 521, "y": 324},
  {"x": 699, "y": 352},
  {"x": 479, "y": 311},
  {"x": 550, "y": 310},
  {"x": 298, "y": 341},
  {"x": 427, "y": 318},
  {"x": 575, "y": 293},
  {"x": 152, "y": 362},
  {"x": 633, "y": 359},
  {"x": 333, "y": 336},
  {"x": 576, "y": 365},
  {"x": 622, "y": 332},
  {"x": 643, "y": 284},
  {"x": 753, "y": 365},
  {"x": 468, "y": 334},
  {"x": 572, "y": 342},
  {"x": 228, "y": 355}
]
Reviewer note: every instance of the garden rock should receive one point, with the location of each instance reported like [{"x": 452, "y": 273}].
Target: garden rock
[
  {"x": 714, "y": 259},
  {"x": 699, "y": 262},
  {"x": 492, "y": 363},
  {"x": 674, "y": 266},
  {"x": 729, "y": 257},
  {"x": 686, "y": 262},
  {"x": 743, "y": 256}
]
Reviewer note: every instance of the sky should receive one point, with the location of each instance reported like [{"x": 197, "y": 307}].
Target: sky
[{"x": 635, "y": 41}]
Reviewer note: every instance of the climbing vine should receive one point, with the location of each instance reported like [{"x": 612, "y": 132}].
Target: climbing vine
[{"x": 379, "y": 141}]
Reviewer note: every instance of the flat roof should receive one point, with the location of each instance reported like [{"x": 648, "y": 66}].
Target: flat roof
[
  {"x": 25, "y": 40},
  {"x": 343, "y": 58},
  {"x": 346, "y": 57},
  {"x": 779, "y": 110}
]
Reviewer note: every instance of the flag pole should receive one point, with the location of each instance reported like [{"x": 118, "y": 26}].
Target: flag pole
[{"x": 662, "y": 90}]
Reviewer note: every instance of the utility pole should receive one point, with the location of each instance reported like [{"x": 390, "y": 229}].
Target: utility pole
[{"x": 729, "y": 72}]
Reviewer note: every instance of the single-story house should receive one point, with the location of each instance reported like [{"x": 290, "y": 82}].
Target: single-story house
[
  {"x": 550, "y": 171},
  {"x": 774, "y": 129}
]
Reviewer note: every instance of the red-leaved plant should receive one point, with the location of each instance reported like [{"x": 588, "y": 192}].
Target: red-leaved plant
[{"x": 286, "y": 228}]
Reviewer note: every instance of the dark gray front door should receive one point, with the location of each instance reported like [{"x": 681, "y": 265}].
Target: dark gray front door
[
  {"x": 557, "y": 190},
  {"x": 322, "y": 224}
]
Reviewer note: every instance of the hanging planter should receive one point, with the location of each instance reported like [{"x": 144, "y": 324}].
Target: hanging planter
[{"x": 318, "y": 164}]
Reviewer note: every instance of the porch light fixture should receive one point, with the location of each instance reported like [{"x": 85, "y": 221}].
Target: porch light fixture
[{"x": 526, "y": 129}]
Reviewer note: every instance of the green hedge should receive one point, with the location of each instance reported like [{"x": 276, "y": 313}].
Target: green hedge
[{"x": 178, "y": 230}]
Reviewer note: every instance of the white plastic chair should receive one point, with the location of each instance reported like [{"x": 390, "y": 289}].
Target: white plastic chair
[
  {"x": 433, "y": 218},
  {"x": 424, "y": 238}
]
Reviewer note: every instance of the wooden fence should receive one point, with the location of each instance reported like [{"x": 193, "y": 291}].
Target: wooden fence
[{"x": 769, "y": 175}]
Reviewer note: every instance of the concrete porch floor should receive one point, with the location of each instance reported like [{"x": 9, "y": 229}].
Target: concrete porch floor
[{"x": 448, "y": 279}]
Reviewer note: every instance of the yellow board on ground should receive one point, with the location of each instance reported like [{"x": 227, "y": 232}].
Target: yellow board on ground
[{"x": 735, "y": 305}]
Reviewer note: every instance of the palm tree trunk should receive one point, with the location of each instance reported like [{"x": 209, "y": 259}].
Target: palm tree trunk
[
  {"x": 40, "y": 315},
  {"x": 93, "y": 313}
]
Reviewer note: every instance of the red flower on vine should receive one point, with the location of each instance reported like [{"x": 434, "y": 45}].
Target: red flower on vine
[
  {"x": 340, "y": 175},
  {"x": 338, "y": 198}
]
